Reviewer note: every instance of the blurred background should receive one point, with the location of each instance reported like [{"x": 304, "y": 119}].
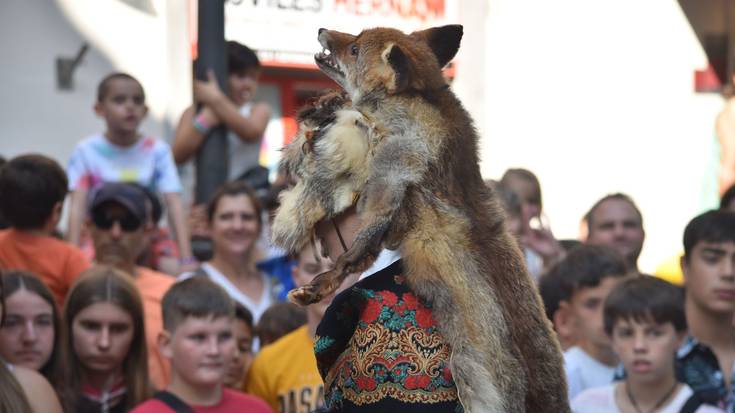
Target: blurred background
[{"x": 594, "y": 97}]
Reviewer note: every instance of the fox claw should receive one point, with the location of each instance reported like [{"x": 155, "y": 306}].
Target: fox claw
[{"x": 304, "y": 296}]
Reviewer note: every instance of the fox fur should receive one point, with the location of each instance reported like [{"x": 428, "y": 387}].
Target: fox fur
[{"x": 410, "y": 159}]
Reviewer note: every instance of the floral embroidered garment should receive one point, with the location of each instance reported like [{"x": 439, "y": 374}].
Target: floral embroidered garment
[{"x": 378, "y": 349}]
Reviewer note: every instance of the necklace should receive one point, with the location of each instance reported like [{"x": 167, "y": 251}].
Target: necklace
[{"x": 657, "y": 405}]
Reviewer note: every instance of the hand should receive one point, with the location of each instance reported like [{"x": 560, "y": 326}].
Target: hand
[
  {"x": 207, "y": 92},
  {"x": 543, "y": 242}
]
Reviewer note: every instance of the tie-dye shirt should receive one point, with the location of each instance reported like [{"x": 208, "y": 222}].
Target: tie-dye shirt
[{"x": 149, "y": 162}]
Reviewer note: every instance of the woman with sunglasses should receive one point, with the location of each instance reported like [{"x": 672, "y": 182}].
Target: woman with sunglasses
[{"x": 23, "y": 390}]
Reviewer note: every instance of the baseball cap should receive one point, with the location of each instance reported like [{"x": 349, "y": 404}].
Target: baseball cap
[{"x": 129, "y": 196}]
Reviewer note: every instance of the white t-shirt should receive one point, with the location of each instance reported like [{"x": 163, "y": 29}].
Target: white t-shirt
[
  {"x": 602, "y": 400},
  {"x": 584, "y": 372},
  {"x": 256, "y": 309},
  {"x": 149, "y": 162}
]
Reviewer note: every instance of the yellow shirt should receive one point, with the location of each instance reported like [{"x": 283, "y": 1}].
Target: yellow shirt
[
  {"x": 670, "y": 270},
  {"x": 284, "y": 374}
]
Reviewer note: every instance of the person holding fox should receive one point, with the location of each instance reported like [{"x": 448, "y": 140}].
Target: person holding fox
[{"x": 387, "y": 177}]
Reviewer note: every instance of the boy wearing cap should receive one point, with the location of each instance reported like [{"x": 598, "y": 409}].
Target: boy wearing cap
[
  {"x": 32, "y": 192},
  {"x": 120, "y": 223}
]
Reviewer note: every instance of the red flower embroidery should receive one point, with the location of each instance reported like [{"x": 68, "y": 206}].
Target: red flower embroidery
[
  {"x": 411, "y": 302},
  {"x": 447, "y": 374},
  {"x": 389, "y": 298},
  {"x": 416, "y": 382},
  {"x": 371, "y": 312},
  {"x": 424, "y": 317},
  {"x": 365, "y": 383}
]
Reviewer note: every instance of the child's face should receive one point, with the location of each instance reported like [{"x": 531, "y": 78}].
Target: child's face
[
  {"x": 709, "y": 274},
  {"x": 586, "y": 312},
  {"x": 646, "y": 348},
  {"x": 201, "y": 350},
  {"x": 27, "y": 337},
  {"x": 123, "y": 107},
  {"x": 101, "y": 337},
  {"x": 243, "y": 355},
  {"x": 242, "y": 86}
]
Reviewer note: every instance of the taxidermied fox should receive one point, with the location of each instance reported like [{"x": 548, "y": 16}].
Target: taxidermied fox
[{"x": 420, "y": 190}]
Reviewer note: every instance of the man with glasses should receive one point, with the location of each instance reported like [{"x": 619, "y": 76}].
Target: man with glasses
[{"x": 120, "y": 221}]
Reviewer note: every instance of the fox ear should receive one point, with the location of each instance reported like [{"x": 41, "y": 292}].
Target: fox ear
[
  {"x": 401, "y": 67},
  {"x": 443, "y": 41}
]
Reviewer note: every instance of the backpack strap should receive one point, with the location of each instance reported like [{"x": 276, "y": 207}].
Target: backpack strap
[
  {"x": 173, "y": 401},
  {"x": 692, "y": 404}
]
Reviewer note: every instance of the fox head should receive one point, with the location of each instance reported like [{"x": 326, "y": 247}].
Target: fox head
[
  {"x": 328, "y": 163},
  {"x": 387, "y": 61}
]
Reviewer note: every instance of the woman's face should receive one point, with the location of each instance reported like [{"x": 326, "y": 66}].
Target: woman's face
[
  {"x": 234, "y": 226},
  {"x": 101, "y": 337},
  {"x": 27, "y": 337}
]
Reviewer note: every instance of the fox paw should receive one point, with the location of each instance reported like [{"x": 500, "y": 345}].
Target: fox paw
[{"x": 305, "y": 295}]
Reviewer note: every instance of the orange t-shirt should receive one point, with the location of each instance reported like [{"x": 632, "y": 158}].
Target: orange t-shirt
[
  {"x": 152, "y": 286},
  {"x": 55, "y": 262}
]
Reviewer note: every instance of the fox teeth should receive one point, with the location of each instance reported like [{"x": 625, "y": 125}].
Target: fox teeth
[{"x": 326, "y": 51}]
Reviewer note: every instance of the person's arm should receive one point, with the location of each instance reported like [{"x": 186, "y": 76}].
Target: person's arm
[
  {"x": 250, "y": 128},
  {"x": 176, "y": 212},
  {"x": 77, "y": 210},
  {"x": 188, "y": 138},
  {"x": 41, "y": 396}
]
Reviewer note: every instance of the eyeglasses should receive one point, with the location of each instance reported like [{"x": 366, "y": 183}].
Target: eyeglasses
[{"x": 104, "y": 221}]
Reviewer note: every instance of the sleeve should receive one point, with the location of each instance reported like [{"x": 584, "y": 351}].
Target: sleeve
[
  {"x": 77, "y": 172},
  {"x": 165, "y": 176}
]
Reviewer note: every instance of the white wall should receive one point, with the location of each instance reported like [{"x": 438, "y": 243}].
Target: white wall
[
  {"x": 596, "y": 97},
  {"x": 36, "y": 116}
]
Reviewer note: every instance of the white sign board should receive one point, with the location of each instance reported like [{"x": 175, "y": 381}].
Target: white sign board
[{"x": 285, "y": 31}]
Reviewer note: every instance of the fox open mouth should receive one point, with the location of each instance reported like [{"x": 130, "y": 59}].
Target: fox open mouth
[{"x": 328, "y": 64}]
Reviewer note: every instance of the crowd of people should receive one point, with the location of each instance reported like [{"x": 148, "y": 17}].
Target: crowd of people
[{"x": 122, "y": 314}]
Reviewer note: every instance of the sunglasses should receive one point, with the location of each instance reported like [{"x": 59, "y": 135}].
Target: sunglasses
[{"x": 128, "y": 222}]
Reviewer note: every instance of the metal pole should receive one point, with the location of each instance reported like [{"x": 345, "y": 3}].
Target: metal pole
[{"x": 212, "y": 160}]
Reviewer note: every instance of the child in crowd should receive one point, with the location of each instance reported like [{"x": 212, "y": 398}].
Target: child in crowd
[
  {"x": 279, "y": 320},
  {"x": 644, "y": 317},
  {"x": 30, "y": 334},
  {"x": 245, "y": 120},
  {"x": 587, "y": 275},
  {"x": 21, "y": 389},
  {"x": 32, "y": 192},
  {"x": 242, "y": 328},
  {"x": 551, "y": 289},
  {"x": 705, "y": 361},
  {"x": 123, "y": 154},
  {"x": 198, "y": 341},
  {"x": 104, "y": 344},
  {"x": 285, "y": 373},
  {"x": 540, "y": 248}
]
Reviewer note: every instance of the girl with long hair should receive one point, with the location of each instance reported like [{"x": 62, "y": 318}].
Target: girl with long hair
[
  {"x": 104, "y": 344},
  {"x": 17, "y": 383},
  {"x": 30, "y": 334}
]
